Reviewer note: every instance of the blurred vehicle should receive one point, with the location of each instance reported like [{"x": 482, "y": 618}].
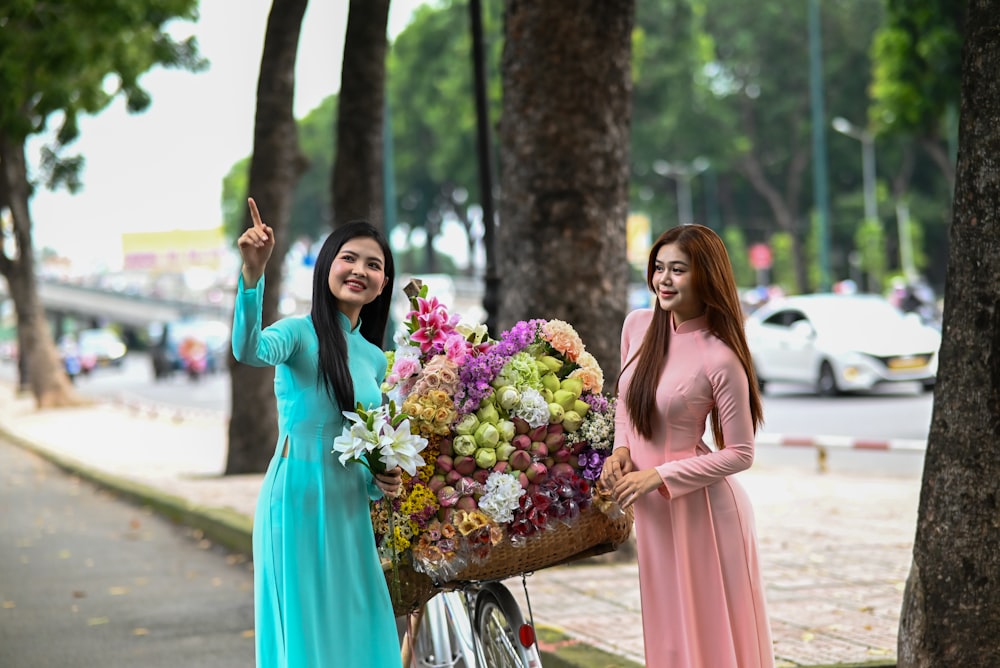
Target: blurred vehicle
[
  {"x": 75, "y": 362},
  {"x": 105, "y": 345},
  {"x": 194, "y": 357},
  {"x": 840, "y": 343},
  {"x": 166, "y": 351}
]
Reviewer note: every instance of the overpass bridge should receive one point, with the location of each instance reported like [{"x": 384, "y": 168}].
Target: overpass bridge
[{"x": 133, "y": 312}]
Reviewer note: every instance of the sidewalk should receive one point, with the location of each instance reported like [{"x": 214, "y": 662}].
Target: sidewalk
[{"x": 835, "y": 547}]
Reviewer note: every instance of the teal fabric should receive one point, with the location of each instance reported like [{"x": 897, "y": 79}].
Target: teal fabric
[{"x": 320, "y": 596}]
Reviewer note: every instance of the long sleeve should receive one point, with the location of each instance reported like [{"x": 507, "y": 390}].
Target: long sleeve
[
  {"x": 731, "y": 394},
  {"x": 253, "y": 345}
]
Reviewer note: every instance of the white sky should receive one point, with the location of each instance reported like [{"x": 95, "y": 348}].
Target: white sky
[{"x": 163, "y": 169}]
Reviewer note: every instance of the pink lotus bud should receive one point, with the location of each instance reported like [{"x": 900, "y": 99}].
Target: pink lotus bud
[
  {"x": 480, "y": 475},
  {"x": 549, "y": 462},
  {"x": 521, "y": 426},
  {"x": 539, "y": 449},
  {"x": 537, "y": 472},
  {"x": 445, "y": 447},
  {"x": 501, "y": 467},
  {"x": 539, "y": 433},
  {"x": 562, "y": 470},
  {"x": 523, "y": 479},
  {"x": 452, "y": 477},
  {"x": 445, "y": 514},
  {"x": 444, "y": 463},
  {"x": 521, "y": 442},
  {"x": 436, "y": 483},
  {"x": 465, "y": 464},
  {"x": 555, "y": 429},
  {"x": 555, "y": 441},
  {"x": 467, "y": 503},
  {"x": 562, "y": 455},
  {"x": 520, "y": 460}
]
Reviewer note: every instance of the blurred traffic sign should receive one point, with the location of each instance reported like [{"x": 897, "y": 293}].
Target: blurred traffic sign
[{"x": 760, "y": 256}]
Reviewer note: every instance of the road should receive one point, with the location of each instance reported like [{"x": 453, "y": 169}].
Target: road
[
  {"x": 897, "y": 412},
  {"x": 87, "y": 580}
]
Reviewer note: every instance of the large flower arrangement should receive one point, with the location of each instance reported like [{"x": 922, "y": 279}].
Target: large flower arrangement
[{"x": 517, "y": 429}]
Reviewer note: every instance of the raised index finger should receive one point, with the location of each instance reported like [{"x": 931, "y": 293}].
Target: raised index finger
[{"x": 254, "y": 214}]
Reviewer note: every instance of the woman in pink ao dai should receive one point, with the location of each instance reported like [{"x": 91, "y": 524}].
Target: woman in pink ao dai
[{"x": 683, "y": 360}]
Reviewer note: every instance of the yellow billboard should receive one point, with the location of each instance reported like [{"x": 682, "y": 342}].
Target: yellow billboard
[{"x": 173, "y": 250}]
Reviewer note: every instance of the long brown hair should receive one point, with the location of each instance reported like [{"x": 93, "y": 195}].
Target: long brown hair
[{"x": 713, "y": 282}]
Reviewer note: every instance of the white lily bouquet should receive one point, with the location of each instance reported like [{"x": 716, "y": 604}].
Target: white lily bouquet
[{"x": 380, "y": 440}]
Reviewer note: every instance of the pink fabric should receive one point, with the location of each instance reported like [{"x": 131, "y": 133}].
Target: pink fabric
[{"x": 701, "y": 589}]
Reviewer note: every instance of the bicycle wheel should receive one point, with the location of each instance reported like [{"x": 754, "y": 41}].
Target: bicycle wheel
[
  {"x": 443, "y": 637},
  {"x": 498, "y": 624}
]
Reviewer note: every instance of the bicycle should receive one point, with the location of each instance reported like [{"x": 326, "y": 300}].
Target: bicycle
[{"x": 474, "y": 625}]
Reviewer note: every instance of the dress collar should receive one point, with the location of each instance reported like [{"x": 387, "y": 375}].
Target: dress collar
[
  {"x": 345, "y": 323},
  {"x": 692, "y": 325}
]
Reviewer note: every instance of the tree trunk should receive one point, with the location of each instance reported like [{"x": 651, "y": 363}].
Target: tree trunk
[
  {"x": 951, "y": 606},
  {"x": 357, "y": 169},
  {"x": 275, "y": 167},
  {"x": 564, "y": 143},
  {"x": 45, "y": 376}
]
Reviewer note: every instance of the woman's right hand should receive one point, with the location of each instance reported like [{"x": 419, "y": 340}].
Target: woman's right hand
[
  {"x": 256, "y": 245},
  {"x": 616, "y": 465}
]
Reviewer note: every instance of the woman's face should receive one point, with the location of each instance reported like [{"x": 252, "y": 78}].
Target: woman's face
[
  {"x": 357, "y": 275},
  {"x": 672, "y": 283}
]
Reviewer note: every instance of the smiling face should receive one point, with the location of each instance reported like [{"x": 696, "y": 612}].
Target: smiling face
[
  {"x": 357, "y": 275},
  {"x": 672, "y": 283}
]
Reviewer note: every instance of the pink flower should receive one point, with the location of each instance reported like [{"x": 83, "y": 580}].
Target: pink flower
[{"x": 456, "y": 348}]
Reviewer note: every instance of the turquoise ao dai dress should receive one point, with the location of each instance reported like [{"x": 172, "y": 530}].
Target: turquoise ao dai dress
[
  {"x": 701, "y": 590},
  {"x": 320, "y": 596}
]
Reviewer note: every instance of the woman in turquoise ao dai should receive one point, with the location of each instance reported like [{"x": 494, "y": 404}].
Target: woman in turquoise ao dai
[{"x": 320, "y": 596}]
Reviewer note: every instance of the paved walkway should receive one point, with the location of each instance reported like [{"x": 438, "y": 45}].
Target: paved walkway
[{"x": 835, "y": 547}]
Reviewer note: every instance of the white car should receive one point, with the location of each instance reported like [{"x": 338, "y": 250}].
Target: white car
[{"x": 841, "y": 343}]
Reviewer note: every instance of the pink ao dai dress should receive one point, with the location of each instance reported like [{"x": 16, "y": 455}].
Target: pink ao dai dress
[{"x": 701, "y": 590}]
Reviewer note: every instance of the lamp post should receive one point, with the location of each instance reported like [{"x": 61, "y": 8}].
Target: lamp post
[
  {"x": 867, "y": 139},
  {"x": 682, "y": 173}
]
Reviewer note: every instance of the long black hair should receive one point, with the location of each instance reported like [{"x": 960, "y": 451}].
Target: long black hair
[{"x": 334, "y": 373}]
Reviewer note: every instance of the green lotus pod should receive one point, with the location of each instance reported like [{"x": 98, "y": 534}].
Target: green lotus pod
[
  {"x": 467, "y": 425},
  {"x": 547, "y": 395},
  {"x": 487, "y": 413},
  {"x": 556, "y": 413},
  {"x": 464, "y": 445},
  {"x": 542, "y": 369},
  {"x": 486, "y": 457},
  {"x": 507, "y": 431},
  {"x": 550, "y": 382},
  {"x": 564, "y": 398},
  {"x": 574, "y": 385},
  {"x": 507, "y": 397},
  {"x": 487, "y": 435},
  {"x": 504, "y": 451},
  {"x": 581, "y": 407},
  {"x": 571, "y": 421}
]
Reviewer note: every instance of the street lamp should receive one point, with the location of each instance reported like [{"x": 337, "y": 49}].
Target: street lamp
[
  {"x": 682, "y": 173},
  {"x": 867, "y": 139}
]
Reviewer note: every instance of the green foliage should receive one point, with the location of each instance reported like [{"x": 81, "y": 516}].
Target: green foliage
[
  {"x": 783, "y": 265},
  {"x": 736, "y": 244},
  {"x": 63, "y": 58},
  {"x": 917, "y": 57},
  {"x": 870, "y": 243}
]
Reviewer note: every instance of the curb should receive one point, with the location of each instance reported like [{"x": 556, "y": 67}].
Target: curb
[
  {"x": 844, "y": 442},
  {"x": 227, "y": 528}
]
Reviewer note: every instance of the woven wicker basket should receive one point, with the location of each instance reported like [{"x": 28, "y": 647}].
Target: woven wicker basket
[{"x": 593, "y": 533}]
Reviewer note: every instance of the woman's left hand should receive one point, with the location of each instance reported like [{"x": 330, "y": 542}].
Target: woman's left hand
[
  {"x": 390, "y": 481},
  {"x": 633, "y": 485}
]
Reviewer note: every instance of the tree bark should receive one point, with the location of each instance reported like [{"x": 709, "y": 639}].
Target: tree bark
[
  {"x": 39, "y": 360},
  {"x": 951, "y": 605},
  {"x": 275, "y": 167},
  {"x": 564, "y": 145},
  {"x": 357, "y": 170}
]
